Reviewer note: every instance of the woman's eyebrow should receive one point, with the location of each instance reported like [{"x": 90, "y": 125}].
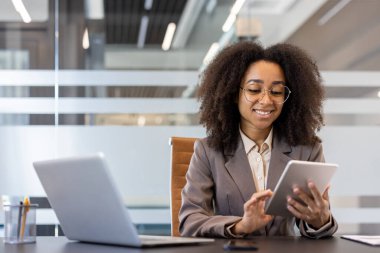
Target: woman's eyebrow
[
  {"x": 255, "y": 81},
  {"x": 262, "y": 82},
  {"x": 278, "y": 82}
]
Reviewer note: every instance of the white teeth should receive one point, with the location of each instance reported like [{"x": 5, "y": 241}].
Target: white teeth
[{"x": 262, "y": 112}]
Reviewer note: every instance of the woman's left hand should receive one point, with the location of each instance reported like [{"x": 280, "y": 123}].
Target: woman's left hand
[{"x": 316, "y": 212}]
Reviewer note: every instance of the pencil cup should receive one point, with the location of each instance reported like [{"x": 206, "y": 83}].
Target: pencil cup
[{"x": 20, "y": 224}]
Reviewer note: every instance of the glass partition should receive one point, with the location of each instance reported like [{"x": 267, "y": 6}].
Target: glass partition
[{"x": 86, "y": 76}]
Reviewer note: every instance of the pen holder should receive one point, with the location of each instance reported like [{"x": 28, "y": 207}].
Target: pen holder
[{"x": 20, "y": 223}]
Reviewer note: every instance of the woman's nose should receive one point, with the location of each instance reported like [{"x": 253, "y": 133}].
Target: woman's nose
[{"x": 266, "y": 98}]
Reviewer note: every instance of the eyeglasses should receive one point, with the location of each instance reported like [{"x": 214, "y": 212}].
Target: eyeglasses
[{"x": 278, "y": 93}]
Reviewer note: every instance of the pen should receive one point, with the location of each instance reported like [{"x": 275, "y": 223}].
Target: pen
[
  {"x": 19, "y": 219},
  {"x": 23, "y": 223}
]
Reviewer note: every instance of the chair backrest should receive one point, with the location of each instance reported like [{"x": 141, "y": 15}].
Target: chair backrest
[{"x": 182, "y": 150}]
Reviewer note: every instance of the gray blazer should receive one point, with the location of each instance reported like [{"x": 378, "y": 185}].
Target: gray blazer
[{"x": 219, "y": 184}]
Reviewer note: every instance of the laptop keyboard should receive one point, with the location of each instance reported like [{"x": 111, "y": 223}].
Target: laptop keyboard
[
  {"x": 148, "y": 238},
  {"x": 161, "y": 240}
]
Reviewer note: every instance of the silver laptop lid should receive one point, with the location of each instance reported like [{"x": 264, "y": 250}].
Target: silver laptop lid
[{"x": 86, "y": 201}]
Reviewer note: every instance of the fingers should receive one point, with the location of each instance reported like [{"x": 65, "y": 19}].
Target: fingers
[
  {"x": 257, "y": 202},
  {"x": 254, "y": 215},
  {"x": 314, "y": 201},
  {"x": 325, "y": 194},
  {"x": 299, "y": 210},
  {"x": 263, "y": 194},
  {"x": 297, "y": 213},
  {"x": 261, "y": 206},
  {"x": 310, "y": 204},
  {"x": 267, "y": 218},
  {"x": 258, "y": 196},
  {"x": 314, "y": 209},
  {"x": 316, "y": 194},
  {"x": 304, "y": 211}
]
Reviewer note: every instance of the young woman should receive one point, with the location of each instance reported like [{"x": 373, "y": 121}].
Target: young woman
[{"x": 261, "y": 108}]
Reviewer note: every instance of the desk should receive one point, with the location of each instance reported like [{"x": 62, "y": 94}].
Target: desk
[{"x": 268, "y": 245}]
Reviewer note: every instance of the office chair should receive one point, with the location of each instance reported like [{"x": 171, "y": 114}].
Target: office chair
[{"x": 181, "y": 151}]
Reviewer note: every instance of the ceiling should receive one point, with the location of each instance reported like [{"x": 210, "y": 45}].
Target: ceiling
[
  {"x": 350, "y": 40},
  {"x": 124, "y": 18}
]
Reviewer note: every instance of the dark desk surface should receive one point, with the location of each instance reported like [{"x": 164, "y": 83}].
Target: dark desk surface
[{"x": 268, "y": 245}]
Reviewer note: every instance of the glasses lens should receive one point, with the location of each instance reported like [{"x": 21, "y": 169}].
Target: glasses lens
[
  {"x": 287, "y": 93},
  {"x": 278, "y": 93}
]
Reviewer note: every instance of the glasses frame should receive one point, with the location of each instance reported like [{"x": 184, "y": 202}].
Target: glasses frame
[{"x": 267, "y": 91}]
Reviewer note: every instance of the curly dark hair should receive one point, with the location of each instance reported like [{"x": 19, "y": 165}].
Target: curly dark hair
[{"x": 301, "y": 115}]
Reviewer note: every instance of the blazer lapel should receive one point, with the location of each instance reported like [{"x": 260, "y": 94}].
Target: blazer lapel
[
  {"x": 279, "y": 159},
  {"x": 239, "y": 169}
]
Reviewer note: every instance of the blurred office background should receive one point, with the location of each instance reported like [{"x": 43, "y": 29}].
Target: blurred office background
[{"x": 120, "y": 77}]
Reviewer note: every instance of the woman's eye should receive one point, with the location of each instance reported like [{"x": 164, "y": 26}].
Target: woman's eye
[
  {"x": 254, "y": 91},
  {"x": 277, "y": 93}
]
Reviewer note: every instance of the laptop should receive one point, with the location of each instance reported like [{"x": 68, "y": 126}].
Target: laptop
[{"x": 89, "y": 207}]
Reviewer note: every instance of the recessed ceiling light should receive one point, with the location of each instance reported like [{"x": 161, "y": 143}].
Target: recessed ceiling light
[
  {"x": 148, "y": 4},
  {"x": 237, "y": 6},
  {"x": 85, "y": 40},
  {"x": 211, "y": 53},
  {"x": 142, "y": 32},
  {"x": 232, "y": 17},
  {"x": 229, "y": 22},
  {"x": 20, "y": 8},
  {"x": 168, "y": 36}
]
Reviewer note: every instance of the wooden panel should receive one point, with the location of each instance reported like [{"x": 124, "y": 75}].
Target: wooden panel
[{"x": 182, "y": 150}]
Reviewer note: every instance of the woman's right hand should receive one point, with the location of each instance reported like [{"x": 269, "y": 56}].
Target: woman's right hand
[{"x": 254, "y": 216}]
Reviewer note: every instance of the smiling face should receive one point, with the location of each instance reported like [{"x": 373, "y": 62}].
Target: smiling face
[{"x": 257, "y": 117}]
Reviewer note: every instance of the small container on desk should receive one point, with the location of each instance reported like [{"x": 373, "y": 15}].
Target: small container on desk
[{"x": 20, "y": 223}]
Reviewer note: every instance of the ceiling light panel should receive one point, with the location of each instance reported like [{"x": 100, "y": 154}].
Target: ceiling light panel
[{"x": 124, "y": 21}]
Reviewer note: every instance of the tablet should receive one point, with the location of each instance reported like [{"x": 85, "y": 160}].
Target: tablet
[{"x": 297, "y": 173}]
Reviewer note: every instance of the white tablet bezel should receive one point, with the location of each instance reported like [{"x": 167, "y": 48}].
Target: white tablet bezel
[{"x": 297, "y": 173}]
